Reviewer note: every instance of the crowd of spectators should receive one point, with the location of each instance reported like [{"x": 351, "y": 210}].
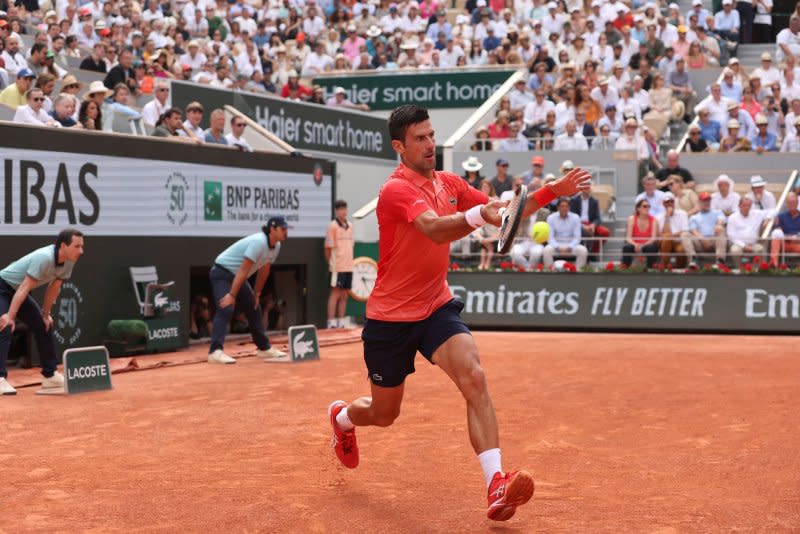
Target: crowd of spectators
[{"x": 672, "y": 223}]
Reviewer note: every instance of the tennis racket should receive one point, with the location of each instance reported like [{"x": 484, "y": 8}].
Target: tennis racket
[{"x": 511, "y": 219}]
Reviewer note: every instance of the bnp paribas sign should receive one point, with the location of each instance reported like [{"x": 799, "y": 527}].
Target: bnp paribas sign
[{"x": 432, "y": 89}]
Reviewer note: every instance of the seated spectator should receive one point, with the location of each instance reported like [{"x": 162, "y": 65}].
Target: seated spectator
[
  {"x": 631, "y": 139},
  {"x": 733, "y": 142},
  {"x": 47, "y": 83},
  {"x": 788, "y": 39},
  {"x": 515, "y": 142},
  {"x": 534, "y": 178},
  {"x": 169, "y": 124},
  {"x": 14, "y": 95},
  {"x": 472, "y": 171},
  {"x": 791, "y": 143},
  {"x": 640, "y": 235},
  {"x": 685, "y": 197},
  {"x": 724, "y": 199},
  {"x": 586, "y": 207},
  {"x": 762, "y": 199},
  {"x": 749, "y": 104},
  {"x": 661, "y": 106},
  {"x": 153, "y": 110},
  {"x": 90, "y": 116},
  {"x": 571, "y": 139},
  {"x": 786, "y": 233},
  {"x": 763, "y": 141},
  {"x": 695, "y": 142},
  {"x": 293, "y": 89},
  {"x": 487, "y": 235},
  {"x": 32, "y": 112},
  {"x": 565, "y": 236},
  {"x": 673, "y": 166},
  {"x": 13, "y": 59},
  {"x": 96, "y": 60},
  {"x": 340, "y": 100},
  {"x": 191, "y": 126},
  {"x": 606, "y": 140},
  {"x": 499, "y": 128},
  {"x": 651, "y": 194},
  {"x": 200, "y": 322},
  {"x": 707, "y": 229},
  {"x": 122, "y": 72},
  {"x": 215, "y": 134},
  {"x": 526, "y": 253},
  {"x": 119, "y": 102},
  {"x": 673, "y": 227},
  {"x": 236, "y": 137},
  {"x": 744, "y": 230},
  {"x": 501, "y": 181},
  {"x": 709, "y": 129},
  {"x": 678, "y": 80},
  {"x": 64, "y": 109},
  {"x": 747, "y": 126},
  {"x": 482, "y": 141}
]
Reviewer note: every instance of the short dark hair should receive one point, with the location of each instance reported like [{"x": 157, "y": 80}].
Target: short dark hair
[
  {"x": 65, "y": 236},
  {"x": 403, "y": 117},
  {"x": 38, "y": 47},
  {"x": 562, "y": 199},
  {"x": 341, "y": 203}
]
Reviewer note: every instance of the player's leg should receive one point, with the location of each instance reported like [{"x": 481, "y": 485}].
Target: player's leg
[
  {"x": 389, "y": 351},
  {"x": 448, "y": 343},
  {"x": 31, "y": 314},
  {"x": 221, "y": 282}
]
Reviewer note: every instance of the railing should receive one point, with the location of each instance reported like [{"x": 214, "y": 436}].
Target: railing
[
  {"x": 605, "y": 258},
  {"x": 682, "y": 143}
]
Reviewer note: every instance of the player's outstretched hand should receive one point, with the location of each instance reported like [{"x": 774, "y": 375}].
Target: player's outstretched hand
[
  {"x": 491, "y": 211},
  {"x": 574, "y": 181},
  {"x": 6, "y": 321}
]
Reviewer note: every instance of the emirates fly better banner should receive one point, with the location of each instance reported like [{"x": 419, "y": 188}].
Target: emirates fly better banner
[{"x": 46, "y": 191}]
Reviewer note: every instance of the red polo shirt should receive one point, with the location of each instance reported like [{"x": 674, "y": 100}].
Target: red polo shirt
[{"x": 412, "y": 269}]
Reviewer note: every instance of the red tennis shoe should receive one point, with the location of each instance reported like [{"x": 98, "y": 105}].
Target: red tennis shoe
[
  {"x": 344, "y": 441},
  {"x": 506, "y": 492}
]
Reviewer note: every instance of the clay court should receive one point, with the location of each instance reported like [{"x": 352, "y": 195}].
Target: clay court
[{"x": 623, "y": 433}]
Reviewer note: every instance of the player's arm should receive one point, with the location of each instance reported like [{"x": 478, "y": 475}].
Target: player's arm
[
  {"x": 447, "y": 228},
  {"x": 50, "y": 295},
  {"x": 20, "y": 295},
  {"x": 575, "y": 181},
  {"x": 241, "y": 275}
]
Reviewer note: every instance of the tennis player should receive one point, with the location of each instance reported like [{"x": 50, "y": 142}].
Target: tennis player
[
  {"x": 49, "y": 265},
  {"x": 420, "y": 211}
]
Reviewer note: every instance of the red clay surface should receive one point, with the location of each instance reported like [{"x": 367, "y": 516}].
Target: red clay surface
[{"x": 623, "y": 433}]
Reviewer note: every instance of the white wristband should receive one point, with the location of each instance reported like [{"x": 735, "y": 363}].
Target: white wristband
[{"x": 473, "y": 216}]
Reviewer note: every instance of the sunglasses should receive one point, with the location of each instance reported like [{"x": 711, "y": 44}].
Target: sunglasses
[
  {"x": 645, "y": 206},
  {"x": 38, "y": 99},
  {"x": 195, "y": 110},
  {"x": 163, "y": 90},
  {"x": 239, "y": 125}
]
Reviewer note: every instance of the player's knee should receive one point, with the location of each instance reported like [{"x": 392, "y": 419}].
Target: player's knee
[
  {"x": 472, "y": 382},
  {"x": 385, "y": 417}
]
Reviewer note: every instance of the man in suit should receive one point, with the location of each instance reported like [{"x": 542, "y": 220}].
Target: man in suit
[
  {"x": 122, "y": 73},
  {"x": 588, "y": 209}
]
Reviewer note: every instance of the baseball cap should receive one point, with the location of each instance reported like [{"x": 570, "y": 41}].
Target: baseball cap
[
  {"x": 703, "y": 196},
  {"x": 567, "y": 164},
  {"x": 537, "y": 160},
  {"x": 667, "y": 197},
  {"x": 25, "y": 73},
  {"x": 501, "y": 161},
  {"x": 279, "y": 221}
]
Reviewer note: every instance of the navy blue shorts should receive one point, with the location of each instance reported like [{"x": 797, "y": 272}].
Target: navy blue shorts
[
  {"x": 342, "y": 280},
  {"x": 390, "y": 347}
]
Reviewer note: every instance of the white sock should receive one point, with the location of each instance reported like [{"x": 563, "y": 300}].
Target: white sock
[
  {"x": 490, "y": 462},
  {"x": 344, "y": 421},
  {"x": 332, "y": 323},
  {"x": 340, "y": 323}
]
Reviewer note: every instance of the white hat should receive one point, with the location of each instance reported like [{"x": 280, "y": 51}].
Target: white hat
[
  {"x": 373, "y": 31},
  {"x": 411, "y": 44},
  {"x": 673, "y": 5},
  {"x": 766, "y": 57},
  {"x": 757, "y": 181},
  {"x": 733, "y": 61},
  {"x": 567, "y": 165},
  {"x": 552, "y": 5},
  {"x": 667, "y": 197},
  {"x": 727, "y": 2},
  {"x": 292, "y": 74},
  {"x": 351, "y": 28},
  {"x": 761, "y": 119},
  {"x": 100, "y": 25},
  {"x": 733, "y": 123},
  {"x": 338, "y": 89},
  {"x": 462, "y": 19},
  {"x": 98, "y": 87},
  {"x": 471, "y": 164},
  {"x": 723, "y": 178},
  {"x": 697, "y": 2},
  {"x": 597, "y": 3}
]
